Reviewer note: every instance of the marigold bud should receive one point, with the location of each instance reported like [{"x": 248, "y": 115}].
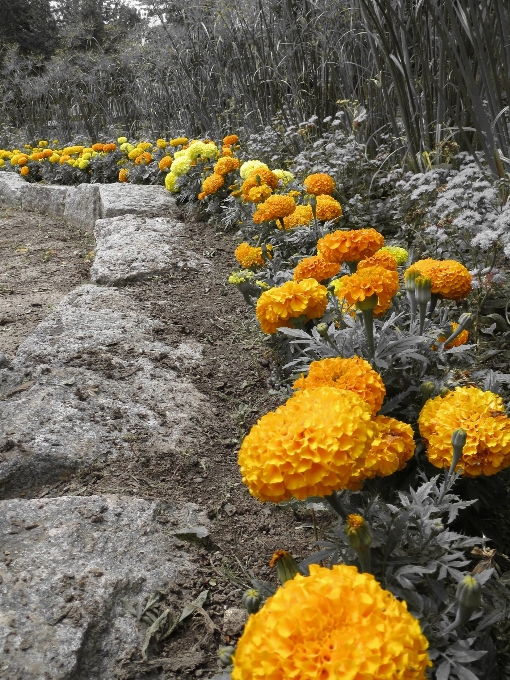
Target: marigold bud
[
  {"x": 422, "y": 286},
  {"x": 226, "y": 656},
  {"x": 286, "y": 566},
  {"x": 252, "y": 600},
  {"x": 427, "y": 390}
]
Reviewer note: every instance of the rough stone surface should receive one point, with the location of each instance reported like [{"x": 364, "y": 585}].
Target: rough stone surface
[
  {"x": 10, "y": 189},
  {"x": 234, "y": 620},
  {"x": 134, "y": 199},
  {"x": 83, "y": 207},
  {"x": 66, "y": 564},
  {"x": 47, "y": 199},
  {"x": 85, "y": 384},
  {"x": 130, "y": 247}
]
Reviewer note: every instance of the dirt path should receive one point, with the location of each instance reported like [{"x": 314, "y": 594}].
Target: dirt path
[
  {"x": 41, "y": 259},
  {"x": 233, "y": 375}
]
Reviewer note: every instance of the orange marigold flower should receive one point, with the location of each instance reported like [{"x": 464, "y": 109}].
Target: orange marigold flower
[
  {"x": 225, "y": 165},
  {"x": 353, "y": 374},
  {"x": 24, "y": 171},
  {"x": 227, "y": 151},
  {"x": 250, "y": 256},
  {"x": 315, "y": 268},
  {"x": 277, "y": 306},
  {"x": 327, "y": 208},
  {"x": 265, "y": 176},
  {"x": 461, "y": 339},
  {"x": 97, "y": 147},
  {"x": 144, "y": 158},
  {"x": 310, "y": 446},
  {"x": 165, "y": 163},
  {"x": 22, "y": 159},
  {"x": 319, "y": 184},
  {"x": 367, "y": 282},
  {"x": 301, "y": 217},
  {"x": 335, "y": 623},
  {"x": 350, "y": 246},
  {"x": 275, "y": 207},
  {"x": 109, "y": 147},
  {"x": 382, "y": 258},
  {"x": 201, "y": 195},
  {"x": 450, "y": 279},
  {"x": 482, "y": 415},
  {"x": 391, "y": 448},
  {"x": 230, "y": 139},
  {"x": 259, "y": 194},
  {"x": 211, "y": 184},
  {"x": 123, "y": 175}
]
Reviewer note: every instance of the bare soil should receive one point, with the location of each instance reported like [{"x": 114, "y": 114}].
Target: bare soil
[{"x": 41, "y": 260}]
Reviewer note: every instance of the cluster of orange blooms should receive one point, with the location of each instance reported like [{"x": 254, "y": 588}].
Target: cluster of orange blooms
[{"x": 326, "y": 437}]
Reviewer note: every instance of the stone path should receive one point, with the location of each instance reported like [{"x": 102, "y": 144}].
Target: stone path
[{"x": 68, "y": 561}]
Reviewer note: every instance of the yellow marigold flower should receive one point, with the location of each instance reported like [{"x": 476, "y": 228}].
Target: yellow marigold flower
[
  {"x": 461, "y": 339},
  {"x": 482, "y": 416},
  {"x": 391, "y": 448},
  {"x": 165, "y": 163},
  {"x": 367, "y": 282},
  {"x": 450, "y": 279},
  {"x": 262, "y": 284},
  {"x": 74, "y": 149},
  {"x": 381, "y": 259},
  {"x": 337, "y": 624},
  {"x": 209, "y": 151},
  {"x": 259, "y": 176},
  {"x": 353, "y": 374},
  {"x": 161, "y": 143},
  {"x": 123, "y": 175},
  {"x": 315, "y": 267},
  {"x": 211, "y": 184},
  {"x": 24, "y": 171},
  {"x": 400, "y": 254},
  {"x": 310, "y": 446},
  {"x": 225, "y": 165},
  {"x": 319, "y": 184},
  {"x": 276, "y": 207},
  {"x": 134, "y": 153},
  {"x": 285, "y": 176},
  {"x": 277, "y": 306},
  {"x": 250, "y": 256},
  {"x": 327, "y": 208},
  {"x": 247, "y": 168},
  {"x": 43, "y": 142},
  {"x": 350, "y": 246},
  {"x": 83, "y": 164},
  {"x": 240, "y": 277},
  {"x": 259, "y": 194},
  {"x": 2, "y": 162},
  {"x": 178, "y": 141},
  {"x": 181, "y": 165},
  {"x": 121, "y": 140},
  {"x": 171, "y": 181},
  {"x": 301, "y": 217},
  {"x": 230, "y": 139}
]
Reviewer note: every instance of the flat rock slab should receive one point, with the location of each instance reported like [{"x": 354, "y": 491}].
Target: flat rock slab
[
  {"x": 83, "y": 206},
  {"x": 86, "y": 384},
  {"x": 66, "y": 564},
  {"x": 10, "y": 189},
  {"x": 135, "y": 199},
  {"x": 130, "y": 248},
  {"x": 47, "y": 199}
]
